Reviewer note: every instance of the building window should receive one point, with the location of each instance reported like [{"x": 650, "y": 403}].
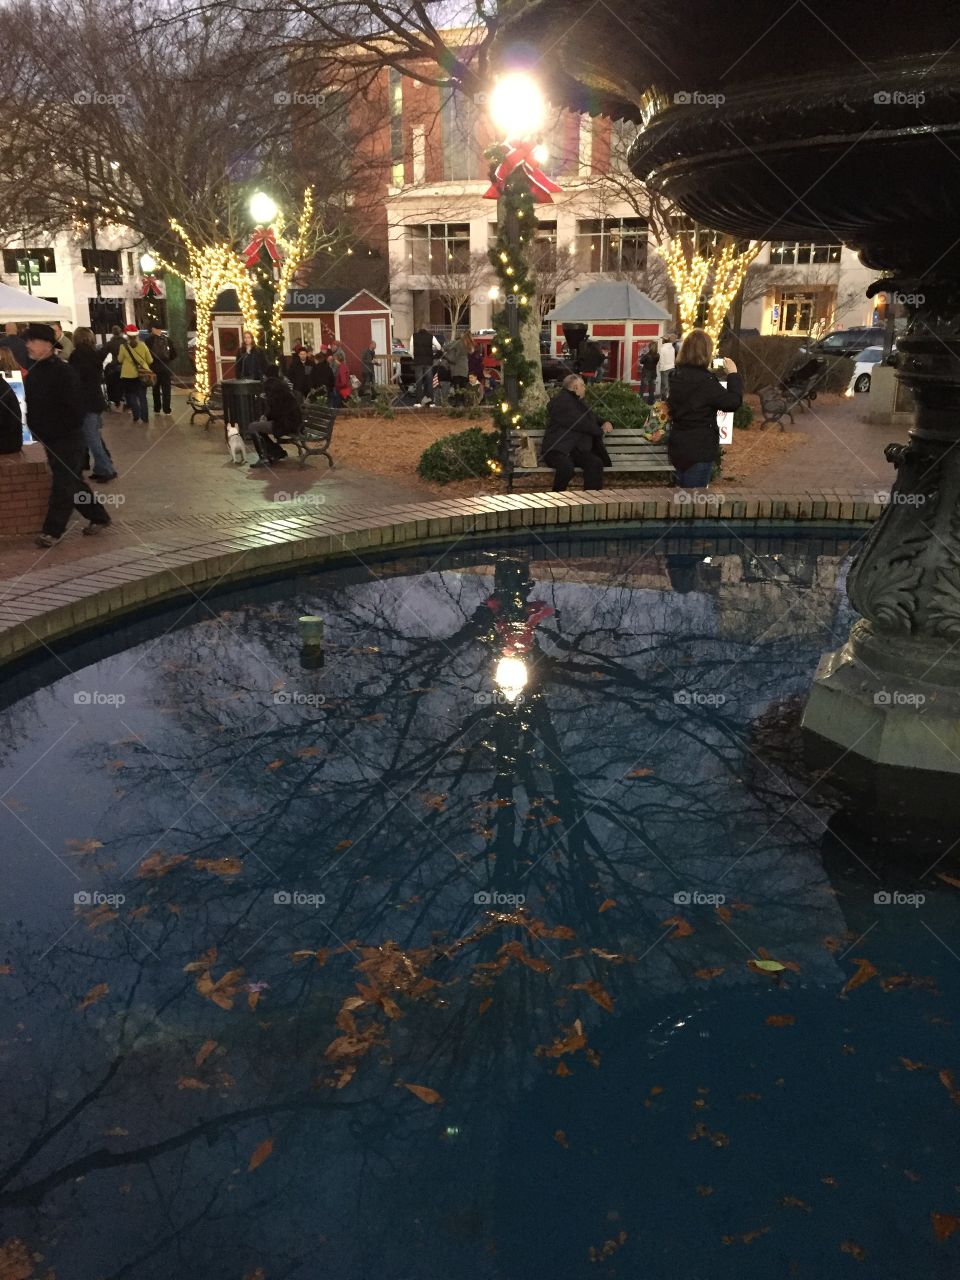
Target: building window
[
  {"x": 461, "y": 154},
  {"x": 107, "y": 262},
  {"x": 803, "y": 253},
  {"x": 436, "y": 248},
  {"x": 612, "y": 244},
  {"x": 301, "y": 331},
  {"x": 105, "y": 313},
  {"x": 396, "y": 126},
  {"x": 13, "y": 258}
]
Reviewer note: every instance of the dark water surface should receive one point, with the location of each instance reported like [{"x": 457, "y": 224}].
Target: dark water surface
[{"x": 372, "y": 972}]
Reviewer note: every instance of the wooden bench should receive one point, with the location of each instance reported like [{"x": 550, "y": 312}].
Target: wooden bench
[
  {"x": 314, "y": 440},
  {"x": 211, "y": 408},
  {"x": 629, "y": 450}
]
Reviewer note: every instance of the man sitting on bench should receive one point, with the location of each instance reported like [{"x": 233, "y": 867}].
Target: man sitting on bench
[
  {"x": 282, "y": 417},
  {"x": 574, "y": 438}
]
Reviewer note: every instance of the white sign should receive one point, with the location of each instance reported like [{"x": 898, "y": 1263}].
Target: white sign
[
  {"x": 725, "y": 421},
  {"x": 16, "y": 381}
]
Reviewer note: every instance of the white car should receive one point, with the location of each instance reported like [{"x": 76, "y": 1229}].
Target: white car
[{"x": 863, "y": 366}]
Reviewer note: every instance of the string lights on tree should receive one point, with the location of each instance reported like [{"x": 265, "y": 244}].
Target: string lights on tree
[
  {"x": 694, "y": 273},
  {"x": 212, "y": 268}
]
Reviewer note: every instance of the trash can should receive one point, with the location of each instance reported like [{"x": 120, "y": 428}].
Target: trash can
[{"x": 241, "y": 402}]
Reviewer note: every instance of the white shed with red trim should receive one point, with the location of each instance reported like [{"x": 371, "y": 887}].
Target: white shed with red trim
[{"x": 616, "y": 315}]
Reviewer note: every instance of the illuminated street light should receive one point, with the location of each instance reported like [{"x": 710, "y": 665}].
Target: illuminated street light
[
  {"x": 263, "y": 208},
  {"x": 517, "y": 105},
  {"x": 493, "y": 293},
  {"x": 148, "y": 263}
]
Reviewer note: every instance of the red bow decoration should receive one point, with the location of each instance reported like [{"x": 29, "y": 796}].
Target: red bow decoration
[
  {"x": 151, "y": 288},
  {"x": 263, "y": 238},
  {"x": 520, "y": 155},
  {"x": 518, "y": 637}
]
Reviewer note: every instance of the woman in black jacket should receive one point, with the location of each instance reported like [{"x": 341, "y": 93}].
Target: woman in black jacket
[
  {"x": 87, "y": 362},
  {"x": 252, "y": 361},
  {"x": 696, "y": 397},
  {"x": 11, "y": 419}
]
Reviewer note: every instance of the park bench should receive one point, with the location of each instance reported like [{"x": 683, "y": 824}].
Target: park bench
[
  {"x": 629, "y": 450},
  {"x": 314, "y": 438},
  {"x": 799, "y": 386},
  {"x": 211, "y": 408}
]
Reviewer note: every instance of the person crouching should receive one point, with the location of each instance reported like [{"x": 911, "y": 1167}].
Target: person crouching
[{"x": 574, "y": 437}]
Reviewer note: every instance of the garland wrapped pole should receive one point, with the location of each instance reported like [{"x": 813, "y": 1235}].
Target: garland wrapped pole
[{"x": 517, "y": 185}]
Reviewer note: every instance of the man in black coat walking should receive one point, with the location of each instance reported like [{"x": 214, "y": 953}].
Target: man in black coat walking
[
  {"x": 574, "y": 438},
  {"x": 55, "y": 417},
  {"x": 164, "y": 353}
]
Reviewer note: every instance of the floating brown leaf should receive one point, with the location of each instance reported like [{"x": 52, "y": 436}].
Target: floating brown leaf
[
  {"x": 424, "y": 1093},
  {"x": 308, "y": 753},
  {"x": 204, "y": 1052},
  {"x": 942, "y": 875},
  {"x": 223, "y": 991},
  {"x": 748, "y": 1237},
  {"x": 569, "y": 1043},
  {"x": 909, "y": 1065},
  {"x": 16, "y": 1260},
  {"x": 713, "y": 1136},
  {"x": 274, "y": 765},
  {"x": 704, "y": 1191},
  {"x": 946, "y": 1079},
  {"x": 484, "y": 1005},
  {"x": 158, "y": 864},
  {"x": 515, "y": 950},
  {"x": 99, "y": 916},
  {"x": 944, "y": 1225},
  {"x": 116, "y": 1133},
  {"x": 855, "y": 1250},
  {"x": 84, "y": 846},
  {"x": 608, "y": 1247},
  {"x": 791, "y": 1202},
  {"x": 561, "y": 1137},
  {"x": 563, "y": 1069},
  {"x": 343, "y": 844},
  {"x": 865, "y": 971},
  {"x": 191, "y": 1082},
  {"x": 93, "y": 995},
  {"x": 680, "y": 928},
  {"x": 605, "y": 905},
  {"x": 202, "y": 962},
  {"x": 596, "y": 992},
  {"x": 219, "y": 866},
  {"x": 707, "y": 974},
  {"x": 640, "y": 773},
  {"x": 262, "y": 1151},
  {"x": 725, "y": 914},
  {"x": 780, "y": 1020},
  {"x": 6, "y": 970}
]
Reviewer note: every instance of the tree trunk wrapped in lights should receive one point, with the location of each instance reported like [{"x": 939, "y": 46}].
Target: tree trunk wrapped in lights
[
  {"x": 212, "y": 268},
  {"x": 718, "y": 273}
]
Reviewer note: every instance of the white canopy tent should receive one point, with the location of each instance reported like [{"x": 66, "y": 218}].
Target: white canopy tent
[{"x": 17, "y": 305}]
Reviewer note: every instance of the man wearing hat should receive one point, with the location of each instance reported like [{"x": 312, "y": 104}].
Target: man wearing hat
[{"x": 55, "y": 417}]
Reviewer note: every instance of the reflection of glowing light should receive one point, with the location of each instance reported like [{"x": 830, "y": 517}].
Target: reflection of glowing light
[{"x": 511, "y": 676}]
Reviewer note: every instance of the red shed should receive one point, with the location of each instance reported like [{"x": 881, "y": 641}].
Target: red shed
[
  {"x": 617, "y": 316},
  {"x": 312, "y": 317}
]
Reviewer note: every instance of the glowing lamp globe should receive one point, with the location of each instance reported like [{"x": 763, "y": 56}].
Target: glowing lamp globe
[
  {"x": 263, "y": 208},
  {"x": 148, "y": 263},
  {"x": 517, "y": 106}
]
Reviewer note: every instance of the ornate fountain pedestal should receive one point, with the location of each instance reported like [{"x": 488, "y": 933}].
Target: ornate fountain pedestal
[{"x": 891, "y": 694}]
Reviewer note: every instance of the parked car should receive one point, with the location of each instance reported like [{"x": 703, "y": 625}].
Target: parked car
[
  {"x": 845, "y": 342},
  {"x": 860, "y": 381}
]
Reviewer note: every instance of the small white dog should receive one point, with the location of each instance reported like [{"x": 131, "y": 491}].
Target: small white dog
[{"x": 235, "y": 445}]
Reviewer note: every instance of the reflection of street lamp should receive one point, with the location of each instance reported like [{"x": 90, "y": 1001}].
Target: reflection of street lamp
[{"x": 511, "y": 676}]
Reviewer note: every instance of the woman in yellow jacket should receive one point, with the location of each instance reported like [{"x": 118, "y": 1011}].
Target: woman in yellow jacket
[{"x": 134, "y": 356}]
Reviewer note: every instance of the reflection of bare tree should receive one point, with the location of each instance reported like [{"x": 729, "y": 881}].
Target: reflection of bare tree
[{"x": 414, "y": 786}]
